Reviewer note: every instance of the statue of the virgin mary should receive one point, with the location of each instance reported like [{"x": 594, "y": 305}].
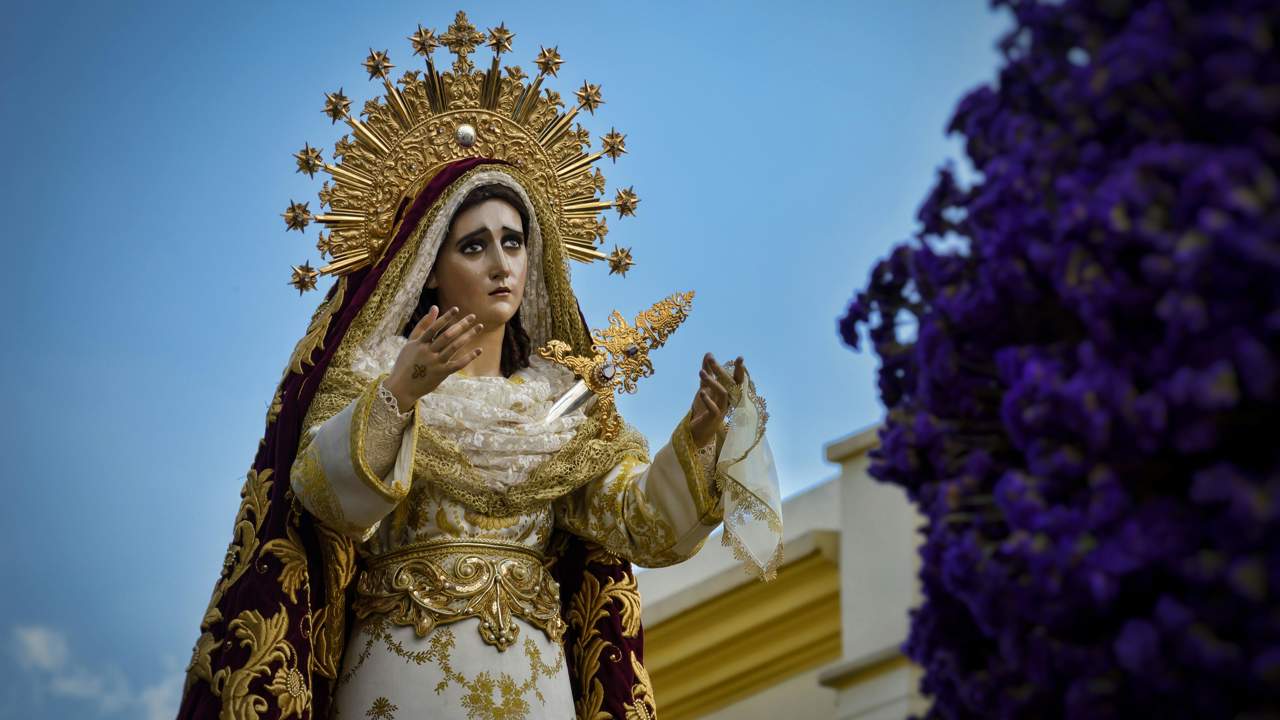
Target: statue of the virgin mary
[{"x": 428, "y": 530}]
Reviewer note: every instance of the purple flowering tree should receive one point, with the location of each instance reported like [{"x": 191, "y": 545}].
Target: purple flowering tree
[{"x": 1081, "y": 369}]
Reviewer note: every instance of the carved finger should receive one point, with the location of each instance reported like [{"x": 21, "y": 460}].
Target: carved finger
[
  {"x": 438, "y": 326},
  {"x": 709, "y": 403},
  {"x": 712, "y": 385},
  {"x": 446, "y": 338},
  {"x": 461, "y": 359},
  {"x": 740, "y": 372},
  {"x": 460, "y": 341},
  {"x": 425, "y": 322}
]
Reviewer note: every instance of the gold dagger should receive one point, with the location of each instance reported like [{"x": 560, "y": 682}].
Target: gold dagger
[{"x": 621, "y": 358}]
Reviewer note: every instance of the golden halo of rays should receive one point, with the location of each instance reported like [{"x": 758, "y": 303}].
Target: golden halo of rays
[{"x": 409, "y": 131}]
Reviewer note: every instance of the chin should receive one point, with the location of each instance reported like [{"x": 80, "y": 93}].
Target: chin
[{"x": 502, "y": 309}]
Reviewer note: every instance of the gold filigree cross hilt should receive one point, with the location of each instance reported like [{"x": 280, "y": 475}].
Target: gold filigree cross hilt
[{"x": 621, "y": 354}]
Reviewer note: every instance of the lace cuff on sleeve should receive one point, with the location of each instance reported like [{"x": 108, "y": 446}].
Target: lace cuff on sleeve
[
  {"x": 390, "y": 399},
  {"x": 748, "y": 481}
]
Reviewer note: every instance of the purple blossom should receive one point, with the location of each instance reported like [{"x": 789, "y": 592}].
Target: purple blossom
[{"x": 1080, "y": 363}]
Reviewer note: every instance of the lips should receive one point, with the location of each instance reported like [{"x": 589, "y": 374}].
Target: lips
[{"x": 501, "y": 291}]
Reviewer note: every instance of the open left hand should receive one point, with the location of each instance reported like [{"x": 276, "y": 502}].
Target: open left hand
[{"x": 711, "y": 402}]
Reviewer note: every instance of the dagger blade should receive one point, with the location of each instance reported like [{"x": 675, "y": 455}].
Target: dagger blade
[{"x": 571, "y": 400}]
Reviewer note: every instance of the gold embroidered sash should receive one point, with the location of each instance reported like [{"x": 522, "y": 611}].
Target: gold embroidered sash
[{"x": 443, "y": 581}]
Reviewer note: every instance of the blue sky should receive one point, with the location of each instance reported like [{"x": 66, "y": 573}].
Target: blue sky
[{"x": 778, "y": 150}]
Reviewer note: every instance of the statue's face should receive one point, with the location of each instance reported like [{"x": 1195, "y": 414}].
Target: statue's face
[{"x": 484, "y": 251}]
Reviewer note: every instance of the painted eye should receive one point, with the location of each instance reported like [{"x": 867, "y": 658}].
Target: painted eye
[{"x": 513, "y": 241}]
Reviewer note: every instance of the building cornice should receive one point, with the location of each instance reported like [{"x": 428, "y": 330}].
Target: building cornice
[{"x": 750, "y": 636}]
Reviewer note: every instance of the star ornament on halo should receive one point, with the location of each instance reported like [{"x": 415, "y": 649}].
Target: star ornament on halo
[
  {"x": 548, "y": 61},
  {"x": 297, "y": 216},
  {"x": 336, "y": 105},
  {"x": 304, "y": 277},
  {"x": 620, "y": 261},
  {"x": 377, "y": 64},
  {"x": 500, "y": 39},
  {"x": 625, "y": 202},
  {"x": 589, "y": 97},
  {"x": 309, "y": 160},
  {"x": 615, "y": 144},
  {"x": 424, "y": 41}
]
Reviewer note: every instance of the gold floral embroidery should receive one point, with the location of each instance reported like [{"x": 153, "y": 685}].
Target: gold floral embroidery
[
  {"x": 254, "y": 503},
  {"x": 478, "y": 694},
  {"x": 488, "y": 522},
  {"x": 330, "y": 622},
  {"x": 314, "y": 338},
  {"x": 642, "y": 706},
  {"x": 293, "y": 558},
  {"x": 438, "y": 582},
  {"x": 615, "y": 513},
  {"x": 382, "y": 709},
  {"x": 590, "y": 605},
  {"x": 265, "y": 639},
  {"x": 290, "y": 689},
  {"x": 277, "y": 404}
]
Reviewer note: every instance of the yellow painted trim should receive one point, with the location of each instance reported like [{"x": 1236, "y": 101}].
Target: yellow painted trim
[
  {"x": 746, "y": 640},
  {"x": 867, "y": 672}
]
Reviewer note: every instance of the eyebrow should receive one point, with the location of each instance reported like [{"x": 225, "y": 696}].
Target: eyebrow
[{"x": 480, "y": 231}]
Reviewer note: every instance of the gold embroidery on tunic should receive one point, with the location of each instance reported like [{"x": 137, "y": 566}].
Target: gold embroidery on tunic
[
  {"x": 360, "y": 438},
  {"x": 478, "y": 693},
  {"x": 437, "y": 582},
  {"x": 584, "y": 458},
  {"x": 618, "y": 517},
  {"x": 312, "y": 485},
  {"x": 710, "y": 509},
  {"x": 381, "y": 709}
]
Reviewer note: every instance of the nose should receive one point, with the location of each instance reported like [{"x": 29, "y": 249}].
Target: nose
[{"x": 502, "y": 267}]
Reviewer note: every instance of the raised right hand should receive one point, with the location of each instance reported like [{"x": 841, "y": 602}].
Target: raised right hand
[{"x": 434, "y": 352}]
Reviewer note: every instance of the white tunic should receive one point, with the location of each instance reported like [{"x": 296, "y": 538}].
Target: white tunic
[{"x": 649, "y": 512}]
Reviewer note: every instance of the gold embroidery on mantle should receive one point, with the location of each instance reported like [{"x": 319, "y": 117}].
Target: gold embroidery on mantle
[
  {"x": 254, "y": 503},
  {"x": 294, "y": 559},
  {"x": 314, "y": 338},
  {"x": 330, "y": 622},
  {"x": 435, "y": 583},
  {"x": 589, "y": 607},
  {"x": 265, "y": 639},
  {"x": 642, "y": 706}
]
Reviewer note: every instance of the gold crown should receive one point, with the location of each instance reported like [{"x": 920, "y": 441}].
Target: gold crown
[{"x": 428, "y": 119}]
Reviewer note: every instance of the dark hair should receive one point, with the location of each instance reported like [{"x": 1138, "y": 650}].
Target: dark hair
[{"x": 515, "y": 341}]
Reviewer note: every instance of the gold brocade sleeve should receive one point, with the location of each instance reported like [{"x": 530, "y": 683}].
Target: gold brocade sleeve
[
  {"x": 355, "y": 467},
  {"x": 653, "y": 514}
]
